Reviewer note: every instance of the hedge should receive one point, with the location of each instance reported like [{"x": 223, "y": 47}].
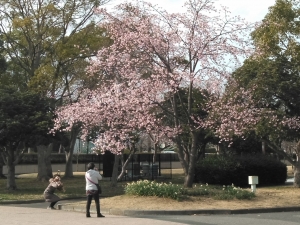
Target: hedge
[{"x": 227, "y": 170}]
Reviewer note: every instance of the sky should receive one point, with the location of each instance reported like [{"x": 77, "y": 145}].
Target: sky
[{"x": 251, "y": 10}]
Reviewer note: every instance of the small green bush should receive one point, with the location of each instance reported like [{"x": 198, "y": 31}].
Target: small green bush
[
  {"x": 152, "y": 188},
  {"x": 231, "y": 192},
  {"x": 201, "y": 190}
]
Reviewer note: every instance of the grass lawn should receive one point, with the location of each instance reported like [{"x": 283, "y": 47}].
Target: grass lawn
[{"x": 28, "y": 188}]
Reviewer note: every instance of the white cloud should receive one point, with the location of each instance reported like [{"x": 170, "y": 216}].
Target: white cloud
[{"x": 251, "y": 10}]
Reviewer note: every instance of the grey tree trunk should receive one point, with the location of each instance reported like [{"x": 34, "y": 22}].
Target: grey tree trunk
[
  {"x": 11, "y": 180},
  {"x": 182, "y": 155},
  {"x": 297, "y": 167},
  {"x": 61, "y": 148},
  {"x": 263, "y": 147},
  {"x": 11, "y": 157},
  {"x": 1, "y": 167},
  {"x": 31, "y": 150},
  {"x": 114, "y": 176},
  {"x": 69, "y": 152},
  {"x": 297, "y": 175},
  {"x": 124, "y": 166},
  {"x": 155, "y": 153},
  {"x": 1, "y": 171},
  {"x": 69, "y": 164},
  {"x": 188, "y": 156},
  {"x": 189, "y": 177},
  {"x": 44, "y": 162}
]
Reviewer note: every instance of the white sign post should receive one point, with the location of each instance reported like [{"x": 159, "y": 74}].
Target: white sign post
[{"x": 253, "y": 181}]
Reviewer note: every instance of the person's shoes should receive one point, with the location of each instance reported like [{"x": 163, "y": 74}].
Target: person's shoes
[
  {"x": 100, "y": 215},
  {"x": 51, "y": 208},
  {"x": 88, "y": 215}
]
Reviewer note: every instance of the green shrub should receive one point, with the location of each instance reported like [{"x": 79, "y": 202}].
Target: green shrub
[
  {"x": 231, "y": 192},
  {"x": 225, "y": 170},
  {"x": 217, "y": 170},
  {"x": 152, "y": 188},
  {"x": 201, "y": 190}
]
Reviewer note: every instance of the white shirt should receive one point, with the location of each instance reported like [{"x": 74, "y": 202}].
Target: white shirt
[{"x": 94, "y": 176}]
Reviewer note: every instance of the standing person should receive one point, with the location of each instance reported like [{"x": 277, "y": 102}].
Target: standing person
[
  {"x": 92, "y": 176},
  {"x": 54, "y": 184}
]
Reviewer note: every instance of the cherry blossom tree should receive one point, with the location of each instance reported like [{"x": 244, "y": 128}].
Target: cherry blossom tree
[{"x": 154, "y": 55}]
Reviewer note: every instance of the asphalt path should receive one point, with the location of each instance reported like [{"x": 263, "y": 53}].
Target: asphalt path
[
  {"x": 286, "y": 218},
  {"x": 40, "y": 204},
  {"x": 36, "y": 213},
  {"x": 11, "y": 215}
]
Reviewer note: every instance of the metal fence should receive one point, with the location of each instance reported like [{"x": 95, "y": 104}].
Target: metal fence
[{"x": 141, "y": 166}]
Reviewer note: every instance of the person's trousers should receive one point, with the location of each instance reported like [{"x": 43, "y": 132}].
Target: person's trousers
[
  {"x": 52, "y": 204},
  {"x": 89, "y": 201}
]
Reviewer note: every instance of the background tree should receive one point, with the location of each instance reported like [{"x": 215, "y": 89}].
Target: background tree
[
  {"x": 239, "y": 113},
  {"x": 3, "y": 63},
  {"x": 25, "y": 118},
  {"x": 272, "y": 76},
  {"x": 154, "y": 54},
  {"x": 3, "y": 67},
  {"x": 47, "y": 45}
]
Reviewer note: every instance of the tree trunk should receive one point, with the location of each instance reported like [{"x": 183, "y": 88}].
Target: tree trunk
[
  {"x": 11, "y": 180},
  {"x": 181, "y": 155},
  {"x": 44, "y": 162},
  {"x": 154, "y": 153},
  {"x": 201, "y": 153},
  {"x": 263, "y": 147},
  {"x": 69, "y": 164},
  {"x": 30, "y": 150},
  {"x": 188, "y": 159},
  {"x": 1, "y": 167},
  {"x": 1, "y": 171},
  {"x": 114, "y": 176},
  {"x": 124, "y": 166},
  {"x": 61, "y": 148},
  {"x": 69, "y": 150},
  {"x": 297, "y": 175},
  {"x": 297, "y": 167},
  {"x": 189, "y": 178},
  {"x": 11, "y": 157}
]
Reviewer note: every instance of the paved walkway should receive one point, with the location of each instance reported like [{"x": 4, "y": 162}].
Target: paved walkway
[
  {"x": 35, "y": 216},
  {"x": 71, "y": 206},
  {"x": 81, "y": 208}
]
